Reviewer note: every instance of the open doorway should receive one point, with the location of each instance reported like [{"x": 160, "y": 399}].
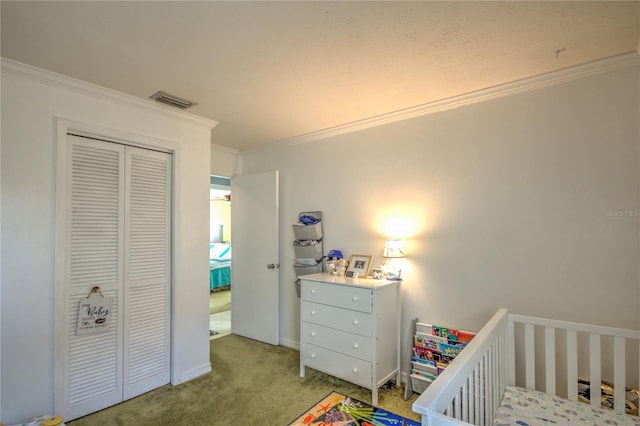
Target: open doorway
[{"x": 220, "y": 253}]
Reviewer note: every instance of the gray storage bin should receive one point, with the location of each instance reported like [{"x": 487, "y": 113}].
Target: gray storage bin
[
  {"x": 297, "y": 284},
  {"x": 308, "y": 258},
  {"x": 308, "y": 269},
  {"x": 308, "y": 232},
  {"x": 311, "y": 251}
]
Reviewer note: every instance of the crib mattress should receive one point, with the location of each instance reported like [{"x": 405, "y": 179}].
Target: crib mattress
[{"x": 525, "y": 407}]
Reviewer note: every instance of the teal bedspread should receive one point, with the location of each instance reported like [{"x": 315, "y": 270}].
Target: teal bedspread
[{"x": 219, "y": 273}]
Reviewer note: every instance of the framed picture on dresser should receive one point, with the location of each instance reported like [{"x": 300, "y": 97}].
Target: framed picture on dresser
[{"x": 360, "y": 263}]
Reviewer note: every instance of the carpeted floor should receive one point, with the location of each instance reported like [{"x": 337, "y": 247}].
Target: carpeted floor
[
  {"x": 251, "y": 383},
  {"x": 219, "y": 301}
]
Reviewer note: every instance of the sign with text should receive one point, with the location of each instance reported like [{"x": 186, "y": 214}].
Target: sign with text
[{"x": 94, "y": 314}]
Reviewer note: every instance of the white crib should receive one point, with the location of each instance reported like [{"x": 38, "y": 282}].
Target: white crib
[{"x": 471, "y": 388}]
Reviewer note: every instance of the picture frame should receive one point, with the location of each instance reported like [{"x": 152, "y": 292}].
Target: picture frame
[
  {"x": 360, "y": 263},
  {"x": 377, "y": 274}
]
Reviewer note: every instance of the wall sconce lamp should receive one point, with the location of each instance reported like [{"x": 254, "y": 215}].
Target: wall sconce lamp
[{"x": 393, "y": 249}]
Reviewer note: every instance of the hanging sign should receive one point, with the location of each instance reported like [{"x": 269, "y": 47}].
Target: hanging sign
[{"x": 94, "y": 313}]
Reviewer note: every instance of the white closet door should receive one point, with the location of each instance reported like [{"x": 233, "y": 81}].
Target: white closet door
[
  {"x": 90, "y": 372},
  {"x": 116, "y": 235},
  {"x": 147, "y": 270}
]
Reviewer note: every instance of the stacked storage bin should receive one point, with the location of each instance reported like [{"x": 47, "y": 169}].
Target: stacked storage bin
[{"x": 307, "y": 246}]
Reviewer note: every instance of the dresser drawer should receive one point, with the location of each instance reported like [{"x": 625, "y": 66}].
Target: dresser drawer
[
  {"x": 356, "y": 298},
  {"x": 346, "y": 343},
  {"x": 339, "y": 365},
  {"x": 342, "y": 319}
]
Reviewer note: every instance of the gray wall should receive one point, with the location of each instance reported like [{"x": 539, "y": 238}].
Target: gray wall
[{"x": 528, "y": 202}]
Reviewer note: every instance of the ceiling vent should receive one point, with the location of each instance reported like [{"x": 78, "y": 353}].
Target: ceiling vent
[{"x": 174, "y": 101}]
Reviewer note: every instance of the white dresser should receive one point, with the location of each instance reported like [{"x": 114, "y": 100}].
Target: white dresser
[{"x": 350, "y": 328}]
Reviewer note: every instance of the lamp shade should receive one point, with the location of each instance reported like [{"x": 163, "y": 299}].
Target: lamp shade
[{"x": 393, "y": 248}]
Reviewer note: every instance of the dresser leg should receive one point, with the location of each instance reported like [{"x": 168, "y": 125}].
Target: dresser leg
[
  {"x": 374, "y": 396},
  {"x": 302, "y": 372}
]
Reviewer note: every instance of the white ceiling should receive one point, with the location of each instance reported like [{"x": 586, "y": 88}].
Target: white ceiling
[{"x": 268, "y": 71}]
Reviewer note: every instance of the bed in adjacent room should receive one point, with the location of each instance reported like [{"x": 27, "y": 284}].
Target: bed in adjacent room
[{"x": 219, "y": 266}]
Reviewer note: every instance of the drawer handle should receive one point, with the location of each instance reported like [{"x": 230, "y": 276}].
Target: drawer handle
[
  {"x": 313, "y": 312},
  {"x": 355, "y": 370},
  {"x": 312, "y": 356},
  {"x": 356, "y": 322},
  {"x": 313, "y": 291},
  {"x": 354, "y": 298},
  {"x": 313, "y": 334},
  {"x": 356, "y": 346}
]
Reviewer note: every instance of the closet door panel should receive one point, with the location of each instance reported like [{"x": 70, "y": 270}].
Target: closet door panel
[
  {"x": 147, "y": 270},
  {"x": 92, "y": 366}
]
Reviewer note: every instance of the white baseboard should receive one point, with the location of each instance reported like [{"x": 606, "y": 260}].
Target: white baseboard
[
  {"x": 293, "y": 344},
  {"x": 194, "y": 372}
]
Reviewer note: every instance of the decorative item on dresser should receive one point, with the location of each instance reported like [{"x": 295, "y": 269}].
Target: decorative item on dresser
[
  {"x": 360, "y": 264},
  {"x": 350, "y": 328}
]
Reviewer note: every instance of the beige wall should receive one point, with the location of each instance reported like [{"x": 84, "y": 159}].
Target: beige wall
[
  {"x": 528, "y": 202},
  {"x": 223, "y": 160},
  {"x": 220, "y": 214},
  {"x": 32, "y": 103}
]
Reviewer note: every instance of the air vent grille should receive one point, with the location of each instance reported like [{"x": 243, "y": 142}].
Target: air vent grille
[{"x": 174, "y": 101}]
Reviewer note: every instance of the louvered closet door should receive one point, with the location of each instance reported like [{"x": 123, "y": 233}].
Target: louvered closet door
[
  {"x": 92, "y": 367},
  {"x": 117, "y": 237},
  {"x": 147, "y": 271}
]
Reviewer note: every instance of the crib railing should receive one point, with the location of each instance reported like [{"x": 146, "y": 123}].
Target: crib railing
[
  {"x": 469, "y": 390},
  {"x": 550, "y": 332}
]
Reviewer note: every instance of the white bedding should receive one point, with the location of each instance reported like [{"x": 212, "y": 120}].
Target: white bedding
[{"x": 525, "y": 407}]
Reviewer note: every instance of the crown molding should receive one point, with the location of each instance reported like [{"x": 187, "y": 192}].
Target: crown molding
[
  {"x": 503, "y": 90},
  {"x": 19, "y": 69}
]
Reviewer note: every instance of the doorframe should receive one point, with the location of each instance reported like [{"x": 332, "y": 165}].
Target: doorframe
[{"x": 64, "y": 126}]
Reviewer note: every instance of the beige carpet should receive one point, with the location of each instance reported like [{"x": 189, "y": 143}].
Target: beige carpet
[
  {"x": 219, "y": 301},
  {"x": 251, "y": 383}
]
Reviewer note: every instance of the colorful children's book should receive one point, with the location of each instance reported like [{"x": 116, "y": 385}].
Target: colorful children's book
[{"x": 434, "y": 347}]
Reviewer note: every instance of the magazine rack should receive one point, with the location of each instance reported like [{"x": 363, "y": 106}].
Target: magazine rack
[{"x": 433, "y": 347}]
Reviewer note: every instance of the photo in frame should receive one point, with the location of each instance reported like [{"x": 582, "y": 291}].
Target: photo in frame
[
  {"x": 360, "y": 263},
  {"x": 377, "y": 274}
]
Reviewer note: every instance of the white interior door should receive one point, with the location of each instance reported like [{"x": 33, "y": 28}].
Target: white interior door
[{"x": 255, "y": 288}]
